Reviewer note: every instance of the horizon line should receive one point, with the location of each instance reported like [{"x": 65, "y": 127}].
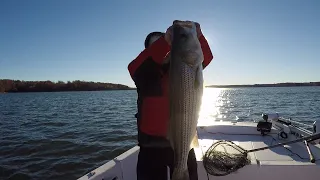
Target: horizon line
[{"x": 275, "y": 83}]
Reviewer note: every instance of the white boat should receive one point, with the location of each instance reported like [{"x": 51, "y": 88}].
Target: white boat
[{"x": 284, "y": 162}]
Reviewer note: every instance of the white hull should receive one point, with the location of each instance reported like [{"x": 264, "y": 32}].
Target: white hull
[{"x": 270, "y": 164}]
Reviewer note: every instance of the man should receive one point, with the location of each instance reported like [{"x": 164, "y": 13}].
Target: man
[{"x": 149, "y": 71}]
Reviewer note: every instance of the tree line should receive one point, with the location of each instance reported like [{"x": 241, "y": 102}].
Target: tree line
[
  {"x": 268, "y": 85},
  {"x": 11, "y": 86}
]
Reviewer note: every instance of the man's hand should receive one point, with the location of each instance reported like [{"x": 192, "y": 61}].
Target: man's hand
[
  {"x": 169, "y": 30},
  {"x": 199, "y": 32}
]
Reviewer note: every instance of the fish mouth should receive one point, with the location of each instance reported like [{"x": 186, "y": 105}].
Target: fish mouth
[{"x": 188, "y": 24}]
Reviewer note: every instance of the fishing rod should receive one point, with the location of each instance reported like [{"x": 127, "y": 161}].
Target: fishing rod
[
  {"x": 307, "y": 138},
  {"x": 309, "y": 152}
]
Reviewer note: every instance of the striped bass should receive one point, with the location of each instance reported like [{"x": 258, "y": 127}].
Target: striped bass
[{"x": 185, "y": 89}]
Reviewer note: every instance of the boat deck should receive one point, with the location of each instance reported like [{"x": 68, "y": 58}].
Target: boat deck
[{"x": 277, "y": 163}]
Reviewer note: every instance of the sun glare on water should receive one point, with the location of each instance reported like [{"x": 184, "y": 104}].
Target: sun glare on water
[{"x": 210, "y": 107}]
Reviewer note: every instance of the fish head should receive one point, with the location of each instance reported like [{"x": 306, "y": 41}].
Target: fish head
[{"x": 185, "y": 45}]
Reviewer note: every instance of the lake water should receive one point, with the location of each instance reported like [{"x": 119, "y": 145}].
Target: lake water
[{"x": 63, "y": 135}]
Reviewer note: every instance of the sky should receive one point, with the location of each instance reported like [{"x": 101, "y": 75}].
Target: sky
[{"x": 252, "y": 41}]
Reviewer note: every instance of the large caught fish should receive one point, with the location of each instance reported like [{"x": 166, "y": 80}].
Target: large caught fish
[{"x": 186, "y": 89}]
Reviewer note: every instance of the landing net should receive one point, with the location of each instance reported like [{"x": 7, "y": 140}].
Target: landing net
[{"x": 225, "y": 157}]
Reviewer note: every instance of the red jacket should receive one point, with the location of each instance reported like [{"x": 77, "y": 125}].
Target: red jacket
[{"x": 151, "y": 79}]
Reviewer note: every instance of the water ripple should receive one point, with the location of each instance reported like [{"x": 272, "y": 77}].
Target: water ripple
[{"x": 63, "y": 135}]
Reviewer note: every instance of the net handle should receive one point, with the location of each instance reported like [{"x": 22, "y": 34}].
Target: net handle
[{"x": 307, "y": 138}]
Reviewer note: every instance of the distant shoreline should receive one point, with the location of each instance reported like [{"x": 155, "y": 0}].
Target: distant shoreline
[
  {"x": 267, "y": 85},
  {"x": 67, "y": 91},
  {"x": 17, "y": 86}
]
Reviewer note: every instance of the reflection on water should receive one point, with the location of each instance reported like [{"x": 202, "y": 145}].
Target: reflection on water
[
  {"x": 212, "y": 100},
  {"x": 247, "y": 104}
]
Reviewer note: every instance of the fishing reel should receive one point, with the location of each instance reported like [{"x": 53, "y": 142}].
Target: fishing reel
[
  {"x": 264, "y": 126},
  {"x": 316, "y": 130},
  {"x": 316, "y": 127}
]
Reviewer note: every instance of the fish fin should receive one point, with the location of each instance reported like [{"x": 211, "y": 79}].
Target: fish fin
[
  {"x": 199, "y": 77},
  {"x": 169, "y": 138},
  {"x": 169, "y": 134},
  {"x": 195, "y": 141},
  {"x": 196, "y": 84},
  {"x": 180, "y": 175}
]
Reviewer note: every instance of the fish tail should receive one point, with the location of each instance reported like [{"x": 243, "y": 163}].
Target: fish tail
[{"x": 180, "y": 174}]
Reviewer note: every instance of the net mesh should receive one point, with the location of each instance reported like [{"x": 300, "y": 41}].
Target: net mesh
[{"x": 225, "y": 157}]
